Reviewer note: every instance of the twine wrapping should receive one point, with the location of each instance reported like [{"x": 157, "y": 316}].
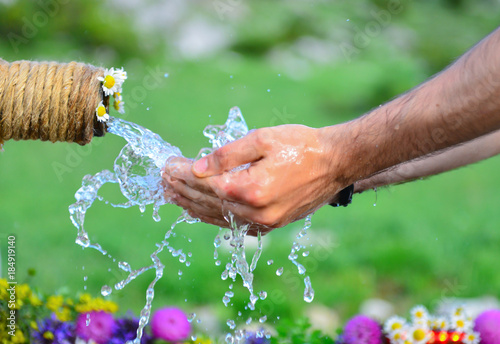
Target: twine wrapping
[{"x": 50, "y": 101}]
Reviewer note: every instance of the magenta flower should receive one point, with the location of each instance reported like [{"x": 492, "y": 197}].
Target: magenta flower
[
  {"x": 170, "y": 324},
  {"x": 488, "y": 326},
  {"x": 100, "y": 328},
  {"x": 362, "y": 330}
]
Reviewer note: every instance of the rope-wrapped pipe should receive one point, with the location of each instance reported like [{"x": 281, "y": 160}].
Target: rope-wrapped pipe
[{"x": 50, "y": 101}]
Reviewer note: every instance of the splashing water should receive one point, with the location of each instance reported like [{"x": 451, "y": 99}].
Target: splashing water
[{"x": 138, "y": 171}]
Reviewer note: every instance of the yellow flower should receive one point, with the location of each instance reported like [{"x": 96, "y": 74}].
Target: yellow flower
[
  {"x": 110, "y": 307},
  {"x": 3, "y": 289},
  {"x": 69, "y": 301},
  {"x": 34, "y": 325},
  {"x": 64, "y": 314},
  {"x": 23, "y": 291},
  {"x": 54, "y": 302},
  {"x": 18, "y": 337},
  {"x": 35, "y": 301},
  {"x": 85, "y": 298}
]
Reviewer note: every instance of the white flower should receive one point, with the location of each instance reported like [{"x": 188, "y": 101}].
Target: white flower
[
  {"x": 419, "y": 315},
  {"x": 112, "y": 80},
  {"x": 461, "y": 323},
  {"x": 419, "y": 334},
  {"x": 397, "y": 337},
  {"x": 472, "y": 338},
  {"x": 458, "y": 312},
  {"x": 393, "y": 324},
  {"x": 101, "y": 113},
  {"x": 81, "y": 341},
  {"x": 119, "y": 106},
  {"x": 441, "y": 324}
]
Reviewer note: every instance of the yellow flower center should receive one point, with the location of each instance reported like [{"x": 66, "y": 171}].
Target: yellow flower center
[
  {"x": 116, "y": 105},
  {"x": 101, "y": 111},
  {"x": 48, "y": 335},
  {"x": 117, "y": 94},
  {"x": 419, "y": 314},
  {"x": 396, "y": 326},
  {"x": 109, "y": 81},
  {"x": 419, "y": 334},
  {"x": 460, "y": 323}
]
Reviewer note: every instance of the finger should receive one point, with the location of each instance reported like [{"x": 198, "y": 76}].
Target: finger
[
  {"x": 180, "y": 168},
  {"x": 245, "y": 150},
  {"x": 212, "y": 205}
]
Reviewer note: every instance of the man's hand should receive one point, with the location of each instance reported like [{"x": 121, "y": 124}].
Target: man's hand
[{"x": 288, "y": 177}]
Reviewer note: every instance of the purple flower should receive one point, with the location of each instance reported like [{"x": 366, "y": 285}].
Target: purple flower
[
  {"x": 362, "y": 330},
  {"x": 126, "y": 329},
  {"x": 251, "y": 338},
  {"x": 488, "y": 326},
  {"x": 170, "y": 324},
  {"x": 100, "y": 328},
  {"x": 53, "y": 331}
]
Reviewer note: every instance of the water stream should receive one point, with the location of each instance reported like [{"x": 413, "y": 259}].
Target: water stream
[{"x": 137, "y": 170}]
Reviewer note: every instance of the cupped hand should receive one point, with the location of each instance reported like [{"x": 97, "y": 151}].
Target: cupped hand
[{"x": 288, "y": 177}]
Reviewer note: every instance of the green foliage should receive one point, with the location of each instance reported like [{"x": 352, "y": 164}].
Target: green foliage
[
  {"x": 422, "y": 242},
  {"x": 299, "y": 332}
]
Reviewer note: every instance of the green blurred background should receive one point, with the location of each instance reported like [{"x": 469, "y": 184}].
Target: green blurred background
[{"x": 310, "y": 62}]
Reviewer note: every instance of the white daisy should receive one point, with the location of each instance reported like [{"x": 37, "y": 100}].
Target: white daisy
[
  {"x": 458, "y": 311},
  {"x": 112, "y": 81},
  {"x": 419, "y": 315},
  {"x": 394, "y": 323},
  {"x": 472, "y": 337},
  {"x": 397, "y": 337},
  {"x": 101, "y": 113},
  {"x": 419, "y": 334},
  {"x": 119, "y": 106},
  {"x": 441, "y": 324},
  {"x": 461, "y": 323}
]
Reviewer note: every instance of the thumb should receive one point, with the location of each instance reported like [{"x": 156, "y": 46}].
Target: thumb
[{"x": 226, "y": 158}]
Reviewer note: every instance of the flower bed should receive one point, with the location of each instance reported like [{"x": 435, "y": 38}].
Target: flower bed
[{"x": 27, "y": 317}]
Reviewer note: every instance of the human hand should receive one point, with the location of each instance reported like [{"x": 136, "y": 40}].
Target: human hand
[{"x": 289, "y": 177}]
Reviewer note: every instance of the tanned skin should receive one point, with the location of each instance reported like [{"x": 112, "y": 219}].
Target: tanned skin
[{"x": 294, "y": 169}]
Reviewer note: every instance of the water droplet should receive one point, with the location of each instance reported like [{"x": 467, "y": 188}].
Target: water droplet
[
  {"x": 305, "y": 253},
  {"x": 347, "y": 19},
  {"x": 249, "y": 321},
  {"x": 230, "y": 323},
  {"x": 84, "y": 278},
  {"x": 279, "y": 272},
  {"x": 263, "y": 319},
  {"x": 268, "y": 90},
  {"x": 191, "y": 316},
  {"x": 263, "y": 295},
  {"x": 270, "y": 262},
  {"x": 308, "y": 291},
  {"x": 193, "y": 338},
  {"x": 147, "y": 109},
  {"x": 106, "y": 290},
  {"x": 217, "y": 262},
  {"x": 179, "y": 273},
  {"x": 166, "y": 75}
]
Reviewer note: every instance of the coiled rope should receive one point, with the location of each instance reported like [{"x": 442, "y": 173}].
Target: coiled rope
[{"x": 50, "y": 101}]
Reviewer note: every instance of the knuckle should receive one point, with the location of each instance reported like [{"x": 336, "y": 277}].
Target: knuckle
[
  {"x": 262, "y": 136},
  {"x": 221, "y": 156}
]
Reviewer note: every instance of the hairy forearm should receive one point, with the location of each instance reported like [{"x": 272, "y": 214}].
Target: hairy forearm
[
  {"x": 468, "y": 153},
  {"x": 457, "y": 105}
]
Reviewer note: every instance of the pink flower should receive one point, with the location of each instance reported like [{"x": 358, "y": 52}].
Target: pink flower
[
  {"x": 488, "y": 326},
  {"x": 170, "y": 324},
  {"x": 362, "y": 330},
  {"x": 99, "y": 329}
]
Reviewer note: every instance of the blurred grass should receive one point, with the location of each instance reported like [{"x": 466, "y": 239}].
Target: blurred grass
[{"x": 421, "y": 242}]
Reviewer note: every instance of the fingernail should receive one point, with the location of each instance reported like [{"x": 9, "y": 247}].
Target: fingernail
[{"x": 200, "y": 166}]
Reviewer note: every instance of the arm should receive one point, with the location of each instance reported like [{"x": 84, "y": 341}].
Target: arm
[
  {"x": 467, "y": 153},
  {"x": 294, "y": 170}
]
